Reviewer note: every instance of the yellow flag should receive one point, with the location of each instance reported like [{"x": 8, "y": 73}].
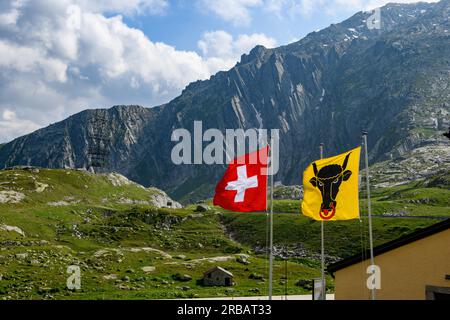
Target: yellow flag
[{"x": 331, "y": 187}]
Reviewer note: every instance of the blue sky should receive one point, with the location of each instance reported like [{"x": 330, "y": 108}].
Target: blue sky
[
  {"x": 60, "y": 57},
  {"x": 183, "y": 25}
]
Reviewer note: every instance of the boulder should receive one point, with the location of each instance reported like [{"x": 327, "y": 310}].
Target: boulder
[
  {"x": 242, "y": 260},
  {"x": 160, "y": 199},
  {"x": 110, "y": 277},
  {"x": 305, "y": 284},
  {"x": 12, "y": 229},
  {"x": 202, "y": 208},
  {"x": 21, "y": 256},
  {"x": 34, "y": 262},
  {"x": 183, "y": 278},
  {"x": 10, "y": 196},
  {"x": 148, "y": 269},
  {"x": 256, "y": 276}
]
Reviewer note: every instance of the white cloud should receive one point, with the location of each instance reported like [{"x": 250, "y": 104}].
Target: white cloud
[
  {"x": 371, "y": 4},
  {"x": 216, "y": 43},
  {"x": 10, "y": 126},
  {"x": 240, "y": 12},
  {"x": 234, "y": 11},
  {"x": 294, "y": 8},
  {"x": 58, "y": 58},
  {"x": 221, "y": 44},
  {"x": 8, "y": 115},
  {"x": 275, "y": 6},
  {"x": 352, "y": 6},
  {"x": 222, "y": 51},
  {"x": 244, "y": 43},
  {"x": 305, "y": 8},
  {"x": 128, "y": 7},
  {"x": 10, "y": 16},
  {"x": 24, "y": 59}
]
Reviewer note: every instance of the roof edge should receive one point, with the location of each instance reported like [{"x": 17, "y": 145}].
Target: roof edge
[{"x": 391, "y": 245}]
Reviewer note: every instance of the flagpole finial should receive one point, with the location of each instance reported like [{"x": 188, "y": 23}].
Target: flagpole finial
[
  {"x": 322, "y": 144},
  {"x": 364, "y": 132}
]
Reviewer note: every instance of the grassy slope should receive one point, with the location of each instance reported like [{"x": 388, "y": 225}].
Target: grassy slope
[
  {"x": 82, "y": 191},
  {"x": 422, "y": 198},
  {"x": 342, "y": 239},
  {"x": 121, "y": 230},
  {"x": 414, "y": 199},
  {"x": 103, "y": 224}
]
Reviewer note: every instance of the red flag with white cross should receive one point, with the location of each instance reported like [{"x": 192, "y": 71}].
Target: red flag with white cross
[{"x": 243, "y": 187}]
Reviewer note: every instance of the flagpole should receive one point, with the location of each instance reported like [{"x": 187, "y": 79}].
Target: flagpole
[
  {"x": 369, "y": 207},
  {"x": 271, "y": 222},
  {"x": 323, "y": 295}
]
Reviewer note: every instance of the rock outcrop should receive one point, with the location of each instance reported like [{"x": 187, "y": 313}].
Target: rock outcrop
[{"x": 327, "y": 87}]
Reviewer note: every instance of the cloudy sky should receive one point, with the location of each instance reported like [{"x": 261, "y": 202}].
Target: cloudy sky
[{"x": 58, "y": 57}]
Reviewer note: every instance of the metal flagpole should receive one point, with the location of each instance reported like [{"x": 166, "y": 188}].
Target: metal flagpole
[
  {"x": 369, "y": 207},
  {"x": 323, "y": 295},
  {"x": 271, "y": 222}
]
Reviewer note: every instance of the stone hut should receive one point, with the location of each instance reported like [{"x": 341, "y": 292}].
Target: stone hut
[{"x": 218, "y": 276}]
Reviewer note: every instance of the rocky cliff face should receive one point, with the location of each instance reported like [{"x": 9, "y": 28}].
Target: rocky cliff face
[{"x": 327, "y": 87}]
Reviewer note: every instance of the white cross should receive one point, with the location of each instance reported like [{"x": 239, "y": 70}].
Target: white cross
[{"x": 242, "y": 183}]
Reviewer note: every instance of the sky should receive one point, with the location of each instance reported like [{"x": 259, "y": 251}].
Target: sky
[{"x": 59, "y": 57}]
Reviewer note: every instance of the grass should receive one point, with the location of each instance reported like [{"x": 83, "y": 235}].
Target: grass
[
  {"x": 119, "y": 229},
  {"x": 414, "y": 199},
  {"x": 342, "y": 238},
  {"x": 174, "y": 232},
  {"x": 158, "y": 284},
  {"x": 105, "y": 237}
]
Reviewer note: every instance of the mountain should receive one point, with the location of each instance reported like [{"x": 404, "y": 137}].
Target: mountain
[{"x": 327, "y": 87}]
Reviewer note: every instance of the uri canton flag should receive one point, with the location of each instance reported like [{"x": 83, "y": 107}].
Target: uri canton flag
[{"x": 331, "y": 187}]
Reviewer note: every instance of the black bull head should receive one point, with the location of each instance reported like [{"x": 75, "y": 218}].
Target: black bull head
[{"x": 328, "y": 180}]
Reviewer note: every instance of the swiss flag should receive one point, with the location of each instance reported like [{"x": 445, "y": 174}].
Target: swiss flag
[{"x": 243, "y": 187}]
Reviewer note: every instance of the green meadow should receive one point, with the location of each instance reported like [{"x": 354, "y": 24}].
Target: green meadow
[{"x": 127, "y": 249}]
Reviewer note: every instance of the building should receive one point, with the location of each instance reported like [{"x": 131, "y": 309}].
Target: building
[
  {"x": 218, "y": 276},
  {"x": 413, "y": 267}
]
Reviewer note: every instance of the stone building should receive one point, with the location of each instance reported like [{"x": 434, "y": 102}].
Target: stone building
[{"x": 218, "y": 276}]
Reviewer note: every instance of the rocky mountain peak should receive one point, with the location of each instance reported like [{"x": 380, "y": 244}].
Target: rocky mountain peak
[
  {"x": 326, "y": 87},
  {"x": 257, "y": 53}
]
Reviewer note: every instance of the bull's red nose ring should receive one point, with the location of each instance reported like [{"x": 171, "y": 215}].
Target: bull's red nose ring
[{"x": 325, "y": 214}]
